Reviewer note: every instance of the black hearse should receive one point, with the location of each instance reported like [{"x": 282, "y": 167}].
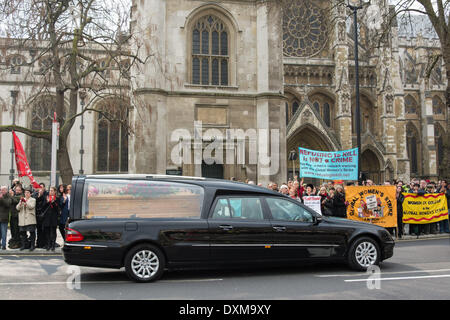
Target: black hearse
[{"x": 148, "y": 223}]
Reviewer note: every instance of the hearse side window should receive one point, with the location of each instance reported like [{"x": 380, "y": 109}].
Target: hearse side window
[
  {"x": 283, "y": 209},
  {"x": 238, "y": 208},
  {"x": 141, "y": 199}
]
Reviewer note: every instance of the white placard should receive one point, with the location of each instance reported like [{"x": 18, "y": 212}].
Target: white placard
[
  {"x": 371, "y": 202},
  {"x": 313, "y": 202}
]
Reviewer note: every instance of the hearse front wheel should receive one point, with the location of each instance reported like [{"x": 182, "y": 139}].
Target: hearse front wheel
[
  {"x": 363, "y": 253},
  {"x": 144, "y": 263}
]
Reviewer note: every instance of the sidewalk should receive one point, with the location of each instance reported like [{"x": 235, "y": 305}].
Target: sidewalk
[
  {"x": 35, "y": 252},
  {"x": 424, "y": 237}
]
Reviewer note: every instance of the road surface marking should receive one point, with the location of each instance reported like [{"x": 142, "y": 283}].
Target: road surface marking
[
  {"x": 363, "y": 274},
  {"x": 400, "y": 278}
]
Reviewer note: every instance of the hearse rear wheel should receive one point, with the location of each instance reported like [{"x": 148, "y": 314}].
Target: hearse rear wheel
[{"x": 144, "y": 263}]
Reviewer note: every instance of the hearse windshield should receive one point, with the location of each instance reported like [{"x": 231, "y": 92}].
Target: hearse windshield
[{"x": 108, "y": 198}]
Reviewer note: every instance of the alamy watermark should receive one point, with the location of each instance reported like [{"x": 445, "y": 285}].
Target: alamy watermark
[
  {"x": 214, "y": 146},
  {"x": 73, "y": 282},
  {"x": 374, "y": 280}
]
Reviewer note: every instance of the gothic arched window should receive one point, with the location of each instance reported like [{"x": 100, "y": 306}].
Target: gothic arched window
[
  {"x": 15, "y": 62},
  {"x": 210, "y": 52},
  {"x": 412, "y": 141},
  {"x": 438, "y": 105},
  {"x": 439, "y": 143},
  {"x": 317, "y": 106},
  {"x": 112, "y": 137},
  {"x": 327, "y": 114},
  {"x": 41, "y": 119},
  {"x": 324, "y": 107},
  {"x": 295, "y": 107},
  {"x": 411, "y": 106}
]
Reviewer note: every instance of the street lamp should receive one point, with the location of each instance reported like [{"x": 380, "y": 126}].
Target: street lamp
[
  {"x": 355, "y": 5},
  {"x": 293, "y": 157}
]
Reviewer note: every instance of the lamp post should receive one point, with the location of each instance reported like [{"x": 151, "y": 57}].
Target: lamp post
[
  {"x": 14, "y": 95},
  {"x": 293, "y": 157},
  {"x": 355, "y": 5}
]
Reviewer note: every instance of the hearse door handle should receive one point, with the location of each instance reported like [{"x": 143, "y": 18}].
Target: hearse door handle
[
  {"x": 279, "y": 228},
  {"x": 226, "y": 227}
]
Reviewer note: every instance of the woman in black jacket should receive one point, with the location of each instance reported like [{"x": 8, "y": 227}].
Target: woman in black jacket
[
  {"x": 328, "y": 203},
  {"x": 400, "y": 197},
  {"x": 340, "y": 209},
  {"x": 50, "y": 209}
]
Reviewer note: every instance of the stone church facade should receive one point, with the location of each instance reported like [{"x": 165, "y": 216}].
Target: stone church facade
[{"x": 282, "y": 67}]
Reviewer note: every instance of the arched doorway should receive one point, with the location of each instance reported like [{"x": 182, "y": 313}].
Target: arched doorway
[
  {"x": 214, "y": 170},
  {"x": 370, "y": 166},
  {"x": 307, "y": 137}
]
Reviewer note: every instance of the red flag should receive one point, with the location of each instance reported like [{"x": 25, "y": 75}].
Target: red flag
[{"x": 23, "y": 169}]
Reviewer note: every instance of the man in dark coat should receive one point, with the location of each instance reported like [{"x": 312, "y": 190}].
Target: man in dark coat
[
  {"x": 5, "y": 207},
  {"x": 15, "y": 242},
  {"x": 40, "y": 196}
]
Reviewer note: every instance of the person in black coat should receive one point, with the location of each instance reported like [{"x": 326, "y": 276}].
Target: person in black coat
[
  {"x": 50, "y": 211},
  {"x": 64, "y": 204},
  {"x": 340, "y": 209},
  {"x": 328, "y": 203},
  {"x": 40, "y": 195},
  {"x": 400, "y": 199}
]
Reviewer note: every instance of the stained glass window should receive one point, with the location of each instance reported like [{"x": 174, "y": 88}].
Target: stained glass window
[
  {"x": 210, "y": 52},
  {"x": 304, "y": 28}
]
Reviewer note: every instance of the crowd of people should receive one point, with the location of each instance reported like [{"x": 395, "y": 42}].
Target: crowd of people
[
  {"x": 33, "y": 215},
  {"x": 333, "y": 201}
]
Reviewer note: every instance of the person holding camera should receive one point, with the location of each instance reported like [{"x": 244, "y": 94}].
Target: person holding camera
[
  {"x": 27, "y": 220},
  {"x": 50, "y": 212}
]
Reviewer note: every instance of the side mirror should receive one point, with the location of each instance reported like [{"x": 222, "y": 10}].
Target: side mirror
[{"x": 318, "y": 219}]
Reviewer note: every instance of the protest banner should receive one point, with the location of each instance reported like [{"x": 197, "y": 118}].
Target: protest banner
[
  {"x": 374, "y": 204},
  {"x": 339, "y": 165},
  {"x": 313, "y": 202},
  {"x": 427, "y": 208}
]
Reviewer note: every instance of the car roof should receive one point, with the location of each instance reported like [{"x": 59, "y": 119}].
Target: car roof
[{"x": 206, "y": 182}]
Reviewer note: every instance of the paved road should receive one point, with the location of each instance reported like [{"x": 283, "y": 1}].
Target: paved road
[{"x": 418, "y": 270}]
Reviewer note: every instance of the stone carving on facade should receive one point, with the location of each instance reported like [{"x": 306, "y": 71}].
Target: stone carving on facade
[
  {"x": 341, "y": 31},
  {"x": 307, "y": 116},
  {"x": 345, "y": 98},
  {"x": 389, "y": 101}
]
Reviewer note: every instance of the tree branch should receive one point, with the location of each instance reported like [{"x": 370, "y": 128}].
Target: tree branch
[{"x": 47, "y": 135}]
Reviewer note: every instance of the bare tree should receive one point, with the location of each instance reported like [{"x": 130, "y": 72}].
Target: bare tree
[
  {"x": 438, "y": 13},
  {"x": 68, "y": 38}
]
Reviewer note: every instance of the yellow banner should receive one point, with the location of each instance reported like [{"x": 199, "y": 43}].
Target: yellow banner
[
  {"x": 375, "y": 204},
  {"x": 427, "y": 208}
]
